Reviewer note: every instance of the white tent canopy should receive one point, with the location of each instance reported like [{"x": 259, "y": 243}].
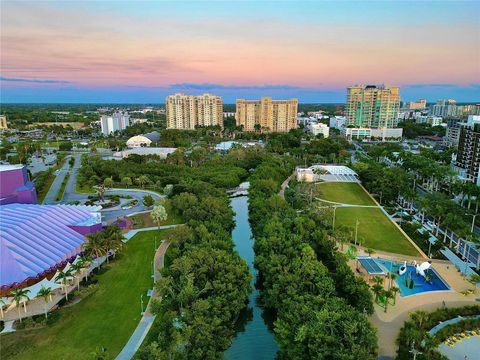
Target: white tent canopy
[
  {"x": 34, "y": 289},
  {"x": 5, "y": 301}
]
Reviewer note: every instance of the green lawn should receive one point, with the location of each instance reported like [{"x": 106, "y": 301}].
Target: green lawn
[
  {"x": 106, "y": 318},
  {"x": 343, "y": 192},
  {"x": 145, "y": 220},
  {"x": 375, "y": 230}
]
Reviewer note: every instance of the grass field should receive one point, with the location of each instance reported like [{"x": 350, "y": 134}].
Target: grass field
[
  {"x": 375, "y": 229},
  {"x": 343, "y": 192},
  {"x": 145, "y": 220},
  {"x": 105, "y": 318}
]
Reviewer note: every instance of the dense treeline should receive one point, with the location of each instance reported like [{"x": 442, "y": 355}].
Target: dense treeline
[
  {"x": 221, "y": 171},
  {"x": 319, "y": 302},
  {"x": 415, "y": 331},
  {"x": 205, "y": 284}
]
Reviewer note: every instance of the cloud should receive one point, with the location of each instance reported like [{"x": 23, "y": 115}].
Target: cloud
[
  {"x": 41, "y": 81},
  {"x": 207, "y": 86}
]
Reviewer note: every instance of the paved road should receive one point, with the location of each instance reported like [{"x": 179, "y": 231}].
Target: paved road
[
  {"x": 57, "y": 183},
  {"x": 71, "y": 195}
]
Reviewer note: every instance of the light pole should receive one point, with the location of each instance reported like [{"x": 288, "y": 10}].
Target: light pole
[
  {"x": 473, "y": 221},
  {"x": 356, "y": 231},
  {"x": 334, "y": 209},
  {"x": 466, "y": 258},
  {"x": 141, "y": 304}
]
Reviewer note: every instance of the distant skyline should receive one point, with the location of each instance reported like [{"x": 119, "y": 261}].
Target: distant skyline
[{"x": 140, "y": 52}]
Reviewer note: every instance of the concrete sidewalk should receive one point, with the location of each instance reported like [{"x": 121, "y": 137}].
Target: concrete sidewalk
[{"x": 141, "y": 331}]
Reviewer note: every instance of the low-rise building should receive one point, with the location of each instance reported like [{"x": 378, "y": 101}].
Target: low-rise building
[
  {"x": 361, "y": 133},
  {"x": 319, "y": 128},
  {"x": 159, "y": 151},
  {"x": 428, "y": 119},
  {"x": 15, "y": 186}
]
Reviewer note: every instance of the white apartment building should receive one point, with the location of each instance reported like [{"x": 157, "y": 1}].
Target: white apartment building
[{"x": 116, "y": 122}]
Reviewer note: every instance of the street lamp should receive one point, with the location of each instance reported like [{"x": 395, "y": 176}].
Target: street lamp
[
  {"x": 141, "y": 304},
  {"x": 356, "y": 230},
  {"x": 333, "y": 225},
  {"x": 473, "y": 221}
]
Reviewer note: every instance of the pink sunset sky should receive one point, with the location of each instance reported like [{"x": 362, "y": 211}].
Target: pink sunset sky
[{"x": 113, "y": 51}]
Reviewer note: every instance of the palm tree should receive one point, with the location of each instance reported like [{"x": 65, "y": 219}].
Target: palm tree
[
  {"x": 388, "y": 295},
  {"x": 142, "y": 180},
  {"x": 419, "y": 318},
  {"x": 46, "y": 293},
  {"x": 369, "y": 251},
  {"x": 63, "y": 277},
  {"x": 394, "y": 291},
  {"x": 113, "y": 239},
  {"x": 392, "y": 276},
  {"x": 19, "y": 295},
  {"x": 85, "y": 261},
  {"x": 377, "y": 289},
  {"x": 77, "y": 269},
  {"x": 94, "y": 246}
]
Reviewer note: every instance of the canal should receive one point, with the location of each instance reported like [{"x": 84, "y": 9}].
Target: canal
[{"x": 253, "y": 340}]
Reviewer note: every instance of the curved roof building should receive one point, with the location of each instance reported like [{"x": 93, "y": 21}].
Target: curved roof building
[
  {"x": 36, "y": 239},
  {"x": 138, "y": 141}
]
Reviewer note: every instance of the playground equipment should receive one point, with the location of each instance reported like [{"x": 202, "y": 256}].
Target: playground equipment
[
  {"x": 403, "y": 269},
  {"x": 420, "y": 269}
]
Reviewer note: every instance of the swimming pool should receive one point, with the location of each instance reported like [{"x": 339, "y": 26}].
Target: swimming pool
[{"x": 421, "y": 284}]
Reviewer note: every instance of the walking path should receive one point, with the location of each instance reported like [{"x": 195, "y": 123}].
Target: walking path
[
  {"x": 285, "y": 185},
  {"x": 148, "y": 318},
  {"x": 133, "y": 232}
]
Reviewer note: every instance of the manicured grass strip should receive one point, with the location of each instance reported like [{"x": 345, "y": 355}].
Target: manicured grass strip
[
  {"x": 375, "y": 230},
  {"x": 145, "y": 220},
  {"x": 106, "y": 318},
  {"x": 62, "y": 187},
  {"x": 343, "y": 192}
]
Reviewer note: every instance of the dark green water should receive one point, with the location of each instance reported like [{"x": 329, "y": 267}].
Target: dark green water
[{"x": 253, "y": 340}]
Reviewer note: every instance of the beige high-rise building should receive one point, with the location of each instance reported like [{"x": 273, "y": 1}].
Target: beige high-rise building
[
  {"x": 188, "y": 111},
  {"x": 3, "y": 122},
  {"x": 267, "y": 114},
  {"x": 372, "y": 106}
]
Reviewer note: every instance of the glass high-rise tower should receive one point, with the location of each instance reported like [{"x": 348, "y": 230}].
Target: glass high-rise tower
[{"x": 372, "y": 106}]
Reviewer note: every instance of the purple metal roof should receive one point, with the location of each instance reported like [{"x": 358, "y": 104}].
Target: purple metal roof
[{"x": 35, "y": 238}]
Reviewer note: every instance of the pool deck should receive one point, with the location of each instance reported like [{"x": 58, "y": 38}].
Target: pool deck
[{"x": 389, "y": 323}]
